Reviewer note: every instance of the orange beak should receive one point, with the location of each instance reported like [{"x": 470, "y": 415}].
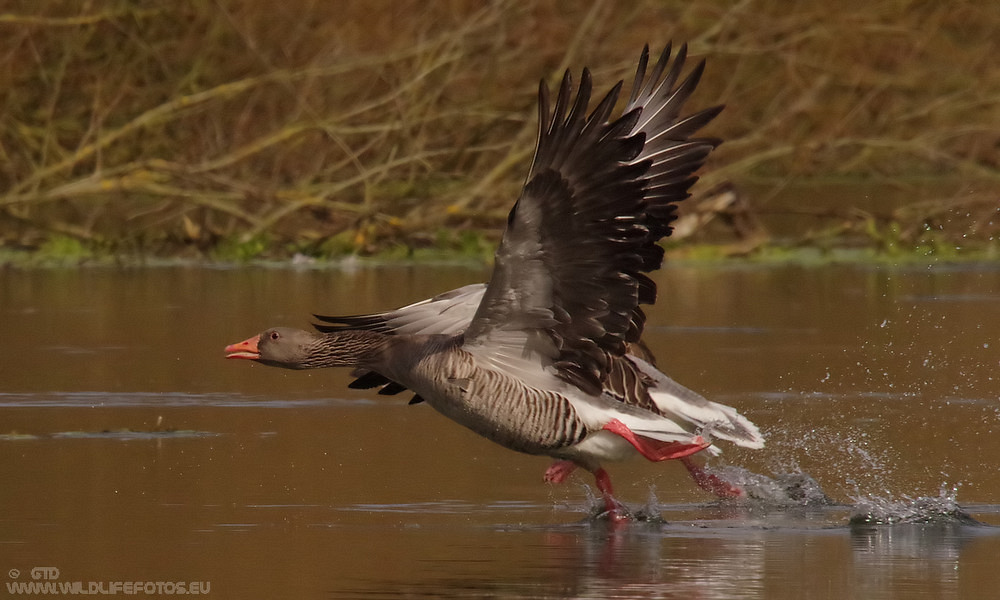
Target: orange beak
[{"x": 246, "y": 349}]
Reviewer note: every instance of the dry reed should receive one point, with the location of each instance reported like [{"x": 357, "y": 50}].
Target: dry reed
[{"x": 351, "y": 126}]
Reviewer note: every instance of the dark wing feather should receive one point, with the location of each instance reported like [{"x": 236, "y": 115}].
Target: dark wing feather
[
  {"x": 570, "y": 270},
  {"x": 675, "y": 155},
  {"x": 365, "y": 380}
]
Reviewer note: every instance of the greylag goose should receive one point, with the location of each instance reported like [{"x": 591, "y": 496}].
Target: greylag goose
[{"x": 540, "y": 359}]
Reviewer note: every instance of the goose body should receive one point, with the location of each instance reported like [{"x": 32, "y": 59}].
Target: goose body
[{"x": 546, "y": 358}]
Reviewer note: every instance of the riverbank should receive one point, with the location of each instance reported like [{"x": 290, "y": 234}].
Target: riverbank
[
  {"x": 208, "y": 131},
  {"x": 707, "y": 254}
]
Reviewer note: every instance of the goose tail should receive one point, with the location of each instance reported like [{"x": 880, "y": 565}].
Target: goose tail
[{"x": 710, "y": 419}]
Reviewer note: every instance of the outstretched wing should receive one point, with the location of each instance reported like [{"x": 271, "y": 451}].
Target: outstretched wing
[
  {"x": 570, "y": 270},
  {"x": 448, "y": 313}
]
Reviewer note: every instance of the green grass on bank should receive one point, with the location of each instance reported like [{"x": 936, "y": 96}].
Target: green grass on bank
[
  {"x": 244, "y": 131},
  {"x": 62, "y": 253}
]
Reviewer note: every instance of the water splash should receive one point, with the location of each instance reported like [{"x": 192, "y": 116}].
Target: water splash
[
  {"x": 650, "y": 511},
  {"x": 940, "y": 510},
  {"x": 851, "y": 458},
  {"x": 647, "y": 513},
  {"x": 783, "y": 489}
]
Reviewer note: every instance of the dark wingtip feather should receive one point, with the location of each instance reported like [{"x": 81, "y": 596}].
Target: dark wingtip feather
[
  {"x": 640, "y": 74},
  {"x": 391, "y": 389},
  {"x": 603, "y": 110},
  {"x": 543, "y": 106},
  {"x": 562, "y": 102},
  {"x": 368, "y": 380}
]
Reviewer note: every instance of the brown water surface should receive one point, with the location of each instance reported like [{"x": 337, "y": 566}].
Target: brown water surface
[{"x": 130, "y": 450}]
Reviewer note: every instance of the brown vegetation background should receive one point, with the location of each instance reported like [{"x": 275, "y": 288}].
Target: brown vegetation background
[{"x": 234, "y": 128}]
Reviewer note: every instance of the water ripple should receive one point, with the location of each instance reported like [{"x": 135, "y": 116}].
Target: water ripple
[{"x": 163, "y": 399}]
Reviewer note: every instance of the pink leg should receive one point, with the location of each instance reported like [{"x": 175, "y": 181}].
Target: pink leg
[
  {"x": 713, "y": 483},
  {"x": 614, "y": 510},
  {"x": 656, "y": 450},
  {"x": 559, "y": 471}
]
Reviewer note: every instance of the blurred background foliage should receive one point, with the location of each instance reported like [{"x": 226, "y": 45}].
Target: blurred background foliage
[{"x": 236, "y": 129}]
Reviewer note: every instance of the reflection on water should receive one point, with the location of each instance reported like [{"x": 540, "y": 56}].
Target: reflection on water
[
  {"x": 132, "y": 450},
  {"x": 928, "y": 556},
  {"x": 684, "y": 560}
]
